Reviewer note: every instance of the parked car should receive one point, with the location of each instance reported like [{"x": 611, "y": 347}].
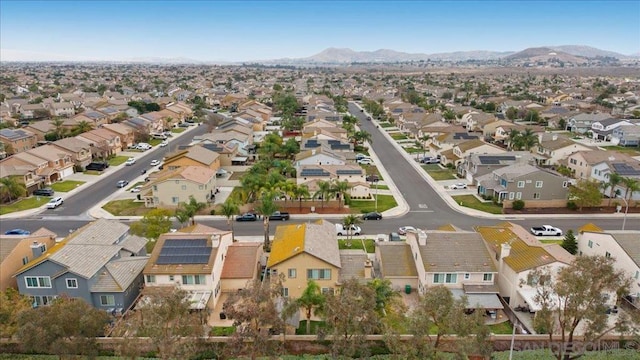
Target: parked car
[
  {"x": 457, "y": 186},
  {"x": 130, "y": 161},
  {"x": 97, "y": 166},
  {"x": 365, "y": 161},
  {"x": 373, "y": 178},
  {"x": 360, "y": 156},
  {"x": 372, "y": 216},
  {"x": 54, "y": 203},
  {"x": 394, "y": 236},
  {"x": 404, "y": 229},
  {"x": 184, "y": 125},
  {"x": 164, "y": 143},
  {"x": 143, "y": 146},
  {"x": 17, "y": 232},
  {"x": 344, "y": 230},
  {"x": 280, "y": 216},
  {"x": 136, "y": 189},
  {"x": 122, "y": 183},
  {"x": 247, "y": 217},
  {"x": 546, "y": 230},
  {"x": 429, "y": 160},
  {"x": 155, "y": 162},
  {"x": 44, "y": 192}
]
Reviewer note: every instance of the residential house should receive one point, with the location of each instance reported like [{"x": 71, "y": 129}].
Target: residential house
[
  {"x": 170, "y": 187},
  {"x": 104, "y": 143},
  {"x": 228, "y": 152},
  {"x": 353, "y": 174},
  {"x": 62, "y": 109},
  {"x": 59, "y": 162},
  {"x": 192, "y": 156},
  {"x": 623, "y": 246},
  {"x": 626, "y": 135},
  {"x": 18, "y": 250},
  {"x": 18, "y": 140},
  {"x": 476, "y": 165},
  {"x": 93, "y": 117},
  {"x": 27, "y": 169},
  {"x": 552, "y": 148},
  {"x": 241, "y": 265},
  {"x": 334, "y": 145},
  {"x": 582, "y": 164},
  {"x": 515, "y": 253},
  {"x": 581, "y": 123},
  {"x": 242, "y": 142},
  {"x": 141, "y": 126},
  {"x": 456, "y": 155},
  {"x": 124, "y": 132},
  {"x": 446, "y": 141},
  {"x": 100, "y": 263},
  {"x": 523, "y": 182},
  {"x": 601, "y": 130},
  {"x": 475, "y": 121},
  {"x": 319, "y": 130},
  {"x": 32, "y": 111},
  {"x": 156, "y": 120},
  {"x": 320, "y": 156},
  {"x": 182, "y": 110},
  {"x": 80, "y": 150},
  {"x": 303, "y": 252},
  {"x": 40, "y": 128},
  {"x": 191, "y": 259}
]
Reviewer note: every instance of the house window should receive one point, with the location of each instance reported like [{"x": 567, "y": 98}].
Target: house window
[
  {"x": 451, "y": 278},
  {"x": 487, "y": 277},
  {"x": 512, "y": 195},
  {"x": 107, "y": 300},
  {"x": 175, "y": 199},
  {"x": 183, "y": 187},
  {"x": 438, "y": 278},
  {"x": 72, "y": 283},
  {"x": 637, "y": 275},
  {"x": 607, "y": 254},
  {"x": 536, "y": 195},
  {"x": 285, "y": 292},
  {"x": 200, "y": 187},
  {"x": 42, "y": 300},
  {"x": 538, "y": 184},
  {"x": 467, "y": 276},
  {"x": 25, "y": 260},
  {"x": 520, "y": 184},
  {"x": 590, "y": 244},
  {"x": 151, "y": 279},
  {"x": 327, "y": 291},
  {"x": 171, "y": 278},
  {"x": 292, "y": 273},
  {"x": 519, "y": 195},
  {"x": 155, "y": 187},
  {"x": 194, "y": 279},
  {"x": 319, "y": 274},
  {"x": 43, "y": 248},
  {"x": 38, "y": 281}
]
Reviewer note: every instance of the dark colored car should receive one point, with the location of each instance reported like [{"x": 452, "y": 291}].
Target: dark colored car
[
  {"x": 44, "y": 192},
  {"x": 17, "y": 232},
  {"x": 372, "y": 216},
  {"x": 373, "y": 178},
  {"x": 97, "y": 166},
  {"x": 247, "y": 217}
]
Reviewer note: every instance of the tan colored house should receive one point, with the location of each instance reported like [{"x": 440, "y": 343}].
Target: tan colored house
[
  {"x": 241, "y": 265},
  {"x": 553, "y": 147},
  {"x": 59, "y": 161},
  {"x": 126, "y": 133},
  {"x": 228, "y": 152},
  {"x": 193, "y": 156},
  {"x": 171, "y": 187},
  {"x": 303, "y": 252},
  {"x": 581, "y": 163},
  {"x": 62, "y": 109},
  {"x": 80, "y": 150},
  {"x": 353, "y": 174},
  {"x": 197, "y": 274},
  {"x": 18, "y": 250},
  {"x": 41, "y": 128},
  {"x": 103, "y": 142},
  {"x": 23, "y": 173},
  {"x": 18, "y": 139},
  {"x": 457, "y": 154}
]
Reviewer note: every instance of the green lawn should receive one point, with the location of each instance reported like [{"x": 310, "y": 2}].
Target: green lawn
[
  {"x": 438, "y": 173},
  {"x": 237, "y": 175},
  {"x": 414, "y": 150},
  {"x": 302, "y": 329},
  {"x": 385, "y": 125},
  {"x": 155, "y": 142},
  {"x": 177, "y": 130},
  {"x": 117, "y": 160},
  {"x": 472, "y": 202},
  {"x": 551, "y": 241},
  {"x": 66, "y": 186},
  {"x": 385, "y": 202},
  {"x": 631, "y": 151},
  {"x": 222, "y": 331},
  {"x": 367, "y": 245},
  {"x": 502, "y": 328},
  {"x": 92, "y": 172},
  {"x": 399, "y": 136},
  {"x": 24, "y": 204},
  {"x": 380, "y": 187},
  {"x": 136, "y": 184},
  {"x": 126, "y": 208}
]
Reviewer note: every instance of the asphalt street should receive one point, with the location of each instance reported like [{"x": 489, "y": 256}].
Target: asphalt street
[{"x": 427, "y": 210}]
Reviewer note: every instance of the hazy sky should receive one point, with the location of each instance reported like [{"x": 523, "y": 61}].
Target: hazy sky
[{"x": 260, "y": 30}]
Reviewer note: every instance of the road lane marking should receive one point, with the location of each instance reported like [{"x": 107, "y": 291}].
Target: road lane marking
[{"x": 421, "y": 211}]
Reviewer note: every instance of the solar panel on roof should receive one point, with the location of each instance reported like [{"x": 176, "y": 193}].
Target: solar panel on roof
[
  {"x": 495, "y": 160},
  {"x": 625, "y": 169},
  {"x": 464, "y": 135},
  {"x": 349, "y": 172},
  {"x": 314, "y": 172},
  {"x": 184, "y": 251}
]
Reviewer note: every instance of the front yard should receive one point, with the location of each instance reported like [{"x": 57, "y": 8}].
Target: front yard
[
  {"x": 399, "y": 136},
  {"x": 385, "y": 202},
  {"x": 631, "y": 151},
  {"x": 367, "y": 245},
  {"x": 438, "y": 173},
  {"x": 472, "y": 202},
  {"x": 66, "y": 186},
  {"x": 127, "y": 207},
  {"x": 117, "y": 160},
  {"x": 24, "y": 204}
]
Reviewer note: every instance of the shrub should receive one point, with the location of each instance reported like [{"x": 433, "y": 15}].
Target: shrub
[
  {"x": 572, "y": 205},
  {"x": 212, "y": 212},
  {"x": 518, "y": 205}
]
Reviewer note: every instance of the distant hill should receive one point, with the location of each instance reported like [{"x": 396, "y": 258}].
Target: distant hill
[
  {"x": 544, "y": 54},
  {"x": 345, "y": 55},
  {"x": 588, "y": 51}
]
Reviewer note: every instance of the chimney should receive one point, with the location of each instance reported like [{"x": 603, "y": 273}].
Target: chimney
[
  {"x": 422, "y": 238},
  {"x": 505, "y": 250},
  {"x": 215, "y": 240},
  {"x": 554, "y": 137},
  {"x": 368, "y": 269},
  {"x": 37, "y": 249}
]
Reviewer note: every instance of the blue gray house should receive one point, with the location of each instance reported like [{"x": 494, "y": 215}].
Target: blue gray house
[{"x": 100, "y": 263}]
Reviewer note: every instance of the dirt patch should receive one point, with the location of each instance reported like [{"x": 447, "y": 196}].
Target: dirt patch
[{"x": 595, "y": 210}]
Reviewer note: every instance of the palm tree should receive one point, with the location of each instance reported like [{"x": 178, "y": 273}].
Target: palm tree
[
  {"x": 182, "y": 216},
  {"x": 192, "y": 207},
  {"x": 82, "y": 127},
  {"x": 514, "y": 140},
  {"x": 324, "y": 189},
  {"x": 59, "y": 130},
  {"x": 266, "y": 207},
  {"x": 340, "y": 188},
  {"x": 11, "y": 188},
  {"x": 229, "y": 208},
  {"x": 528, "y": 139},
  {"x": 632, "y": 185},
  {"x": 310, "y": 300},
  {"x": 614, "y": 180},
  {"x": 301, "y": 191},
  {"x": 348, "y": 221},
  {"x": 360, "y": 137}
]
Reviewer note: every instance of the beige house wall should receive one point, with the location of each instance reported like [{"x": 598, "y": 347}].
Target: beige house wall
[
  {"x": 302, "y": 262},
  {"x": 183, "y": 162},
  {"x": 165, "y": 191}
]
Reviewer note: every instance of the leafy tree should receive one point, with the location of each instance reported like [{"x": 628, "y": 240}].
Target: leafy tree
[
  {"x": 350, "y": 315},
  {"x": 10, "y": 188},
  {"x": 311, "y": 300},
  {"x": 447, "y": 95},
  {"x": 569, "y": 242},
  {"x": 266, "y": 207},
  {"x": 290, "y": 148},
  {"x": 562, "y": 124},
  {"x": 340, "y": 188},
  {"x": 614, "y": 180},
  {"x": 153, "y": 224},
  {"x": 583, "y": 288},
  {"x": 66, "y": 327},
  {"x": 253, "y": 310},
  {"x": 384, "y": 293},
  {"x": 360, "y": 137},
  {"x": 511, "y": 113},
  {"x": 12, "y": 304},
  {"x": 449, "y": 115},
  {"x": 324, "y": 190},
  {"x": 181, "y": 216},
  {"x": 585, "y": 193},
  {"x": 532, "y": 116},
  {"x": 293, "y": 123},
  {"x": 228, "y": 209},
  {"x": 165, "y": 318},
  {"x": 277, "y": 87},
  {"x": 301, "y": 191},
  {"x": 58, "y": 128},
  {"x": 631, "y": 185},
  {"x": 191, "y": 208}
]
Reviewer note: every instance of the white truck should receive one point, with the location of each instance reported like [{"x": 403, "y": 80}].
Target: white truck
[
  {"x": 346, "y": 230},
  {"x": 546, "y": 230}
]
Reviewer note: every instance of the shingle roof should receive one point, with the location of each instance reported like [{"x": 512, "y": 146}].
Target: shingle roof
[
  {"x": 120, "y": 274},
  {"x": 239, "y": 260},
  {"x": 352, "y": 262},
  {"x": 85, "y": 259},
  {"x": 630, "y": 243},
  {"x": 459, "y": 251},
  {"x": 317, "y": 239},
  {"x": 396, "y": 260}
]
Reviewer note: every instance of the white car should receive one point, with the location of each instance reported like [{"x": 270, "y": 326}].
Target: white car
[
  {"x": 365, "y": 161},
  {"x": 136, "y": 189},
  {"x": 457, "y": 186},
  {"x": 155, "y": 162},
  {"x": 130, "y": 161},
  {"x": 54, "y": 203},
  {"x": 164, "y": 143},
  {"x": 403, "y": 230}
]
